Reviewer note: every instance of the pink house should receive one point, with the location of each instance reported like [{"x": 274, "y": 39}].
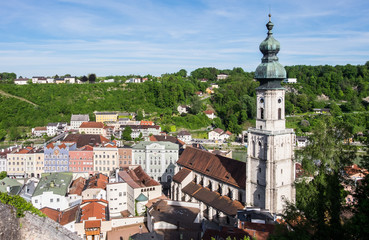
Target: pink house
[{"x": 82, "y": 160}]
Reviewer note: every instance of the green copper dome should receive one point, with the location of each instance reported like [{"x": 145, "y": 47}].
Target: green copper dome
[{"x": 270, "y": 69}]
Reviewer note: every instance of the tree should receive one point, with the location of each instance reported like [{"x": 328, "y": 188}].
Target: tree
[
  {"x": 2, "y": 134},
  {"x": 320, "y": 202},
  {"x": 84, "y": 79},
  {"x": 92, "y": 78},
  {"x": 127, "y": 133},
  {"x": 139, "y": 115},
  {"x": 196, "y": 105},
  {"x": 182, "y": 73},
  {"x": 3, "y": 175}
]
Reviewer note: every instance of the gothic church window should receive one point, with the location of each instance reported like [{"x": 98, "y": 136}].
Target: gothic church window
[
  {"x": 279, "y": 113},
  {"x": 261, "y": 113}
]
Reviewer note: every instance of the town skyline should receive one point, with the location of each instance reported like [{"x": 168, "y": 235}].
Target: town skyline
[{"x": 78, "y": 37}]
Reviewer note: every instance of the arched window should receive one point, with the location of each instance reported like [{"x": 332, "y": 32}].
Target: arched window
[
  {"x": 230, "y": 194},
  {"x": 210, "y": 186},
  {"x": 279, "y": 113},
  {"x": 219, "y": 189},
  {"x": 253, "y": 148},
  {"x": 261, "y": 113}
]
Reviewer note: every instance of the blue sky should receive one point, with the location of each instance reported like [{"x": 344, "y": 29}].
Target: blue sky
[{"x": 121, "y": 37}]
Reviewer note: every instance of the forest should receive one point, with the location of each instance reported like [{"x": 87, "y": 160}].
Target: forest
[{"x": 342, "y": 89}]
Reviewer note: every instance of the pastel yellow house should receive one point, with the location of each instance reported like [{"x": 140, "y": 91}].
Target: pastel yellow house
[{"x": 106, "y": 116}]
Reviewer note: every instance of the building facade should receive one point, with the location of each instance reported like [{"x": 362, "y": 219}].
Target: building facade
[
  {"x": 77, "y": 119},
  {"x": 270, "y": 168},
  {"x": 106, "y": 116},
  {"x": 57, "y": 156},
  {"x": 156, "y": 158},
  {"x": 105, "y": 159},
  {"x": 82, "y": 160},
  {"x": 125, "y": 156}
]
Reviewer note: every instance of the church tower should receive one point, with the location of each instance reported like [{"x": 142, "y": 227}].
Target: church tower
[{"x": 270, "y": 170}]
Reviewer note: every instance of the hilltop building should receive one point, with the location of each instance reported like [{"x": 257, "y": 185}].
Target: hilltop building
[
  {"x": 270, "y": 167},
  {"x": 77, "y": 119}
]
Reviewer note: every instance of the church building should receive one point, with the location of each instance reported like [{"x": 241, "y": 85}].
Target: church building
[{"x": 223, "y": 186}]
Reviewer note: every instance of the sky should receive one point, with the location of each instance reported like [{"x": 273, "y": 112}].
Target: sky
[{"x": 122, "y": 37}]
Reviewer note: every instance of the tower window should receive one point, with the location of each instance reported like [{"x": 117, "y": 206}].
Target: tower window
[
  {"x": 261, "y": 113},
  {"x": 279, "y": 100},
  {"x": 261, "y": 100},
  {"x": 279, "y": 113}
]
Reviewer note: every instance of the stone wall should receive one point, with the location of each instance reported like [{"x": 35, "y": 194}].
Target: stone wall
[{"x": 30, "y": 227}]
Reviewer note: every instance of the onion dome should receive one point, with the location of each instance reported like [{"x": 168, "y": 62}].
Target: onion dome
[{"x": 270, "y": 69}]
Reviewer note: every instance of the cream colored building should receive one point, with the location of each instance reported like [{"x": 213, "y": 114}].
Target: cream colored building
[
  {"x": 92, "y": 128},
  {"x": 26, "y": 162},
  {"x": 106, "y": 116},
  {"x": 106, "y": 159}
]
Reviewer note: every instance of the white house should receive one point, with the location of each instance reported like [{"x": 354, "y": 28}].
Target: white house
[
  {"x": 301, "y": 141},
  {"x": 51, "y": 191},
  {"x": 210, "y": 114},
  {"x": 39, "y": 131},
  {"x": 156, "y": 158},
  {"x": 184, "y": 136},
  {"x": 131, "y": 188},
  {"x": 77, "y": 119},
  {"x": 70, "y": 79},
  {"x": 222, "y": 76},
  {"x": 21, "y": 81},
  {"x": 182, "y": 109}
]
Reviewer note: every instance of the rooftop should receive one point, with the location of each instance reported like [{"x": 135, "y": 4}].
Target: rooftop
[
  {"x": 219, "y": 167},
  {"x": 92, "y": 125},
  {"x": 94, "y": 208},
  {"x": 85, "y": 139},
  {"x": 57, "y": 183},
  {"x": 98, "y": 181},
  {"x": 63, "y": 217},
  {"x": 167, "y": 145},
  {"x": 137, "y": 178},
  {"x": 13, "y": 184},
  {"x": 77, "y": 186},
  {"x": 80, "y": 117}
]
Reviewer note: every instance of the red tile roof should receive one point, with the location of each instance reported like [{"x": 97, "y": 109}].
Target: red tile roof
[
  {"x": 137, "y": 178},
  {"x": 77, "y": 186},
  {"x": 62, "y": 217},
  {"x": 92, "y": 125},
  {"x": 216, "y": 166},
  {"x": 40, "y": 128},
  {"x": 259, "y": 231},
  {"x": 95, "y": 208},
  {"x": 209, "y": 112},
  {"x": 93, "y": 224},
  {"x": 146, "y": 122},
  {"x": 85, "y": 139},
  {"x": 98, "y": 181}
]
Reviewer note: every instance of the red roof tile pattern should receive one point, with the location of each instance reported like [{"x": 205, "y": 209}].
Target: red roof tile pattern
[
  {"x": 219, "y": 167},
  {"x": 93, "y": 224},
  {"x": 92, "y": 125},
  {"x": 146, "y": 122},
  {"x": 40, "y": 128},
  {"x": 77, "y": 186},
  {"x": 213, "y": 199},
  {"x": 62, "y": 217},
  {"x": 137, "y": 178},
  {"x": 181, "y": 175},
  {"x": 355, "y": 170},
  {"x": 259, "y": 231},
  {"x": 93, "y": 208},
  {"x": 209, "y": 112},
  {"x": 98, "y": 181}
]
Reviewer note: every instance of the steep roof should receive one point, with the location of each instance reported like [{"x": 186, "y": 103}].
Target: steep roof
[
  {"x": 92, "y": 125},
  {"x": 98, "y": 181},
  {"x": 63, "y": 217},
  {"x": 14, "y": 185},
  {"x": 181, "y": 175},
  {"x": 94, "y": 208},
  {"x": 77, "y": 186},
  {"x": 54, "y": 182},
  {"x": 86, "y": 139},
  {"x": 137, "y": 178},
  {"x": 183, "y": 133},
  {"x": 218, "y": 130},
  {"x": 213, "y": 199},
  {"x": 219, "y": 167}
]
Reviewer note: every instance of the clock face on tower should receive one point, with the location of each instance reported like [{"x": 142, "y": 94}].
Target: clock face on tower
[{"x": 56, "y": 152}]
